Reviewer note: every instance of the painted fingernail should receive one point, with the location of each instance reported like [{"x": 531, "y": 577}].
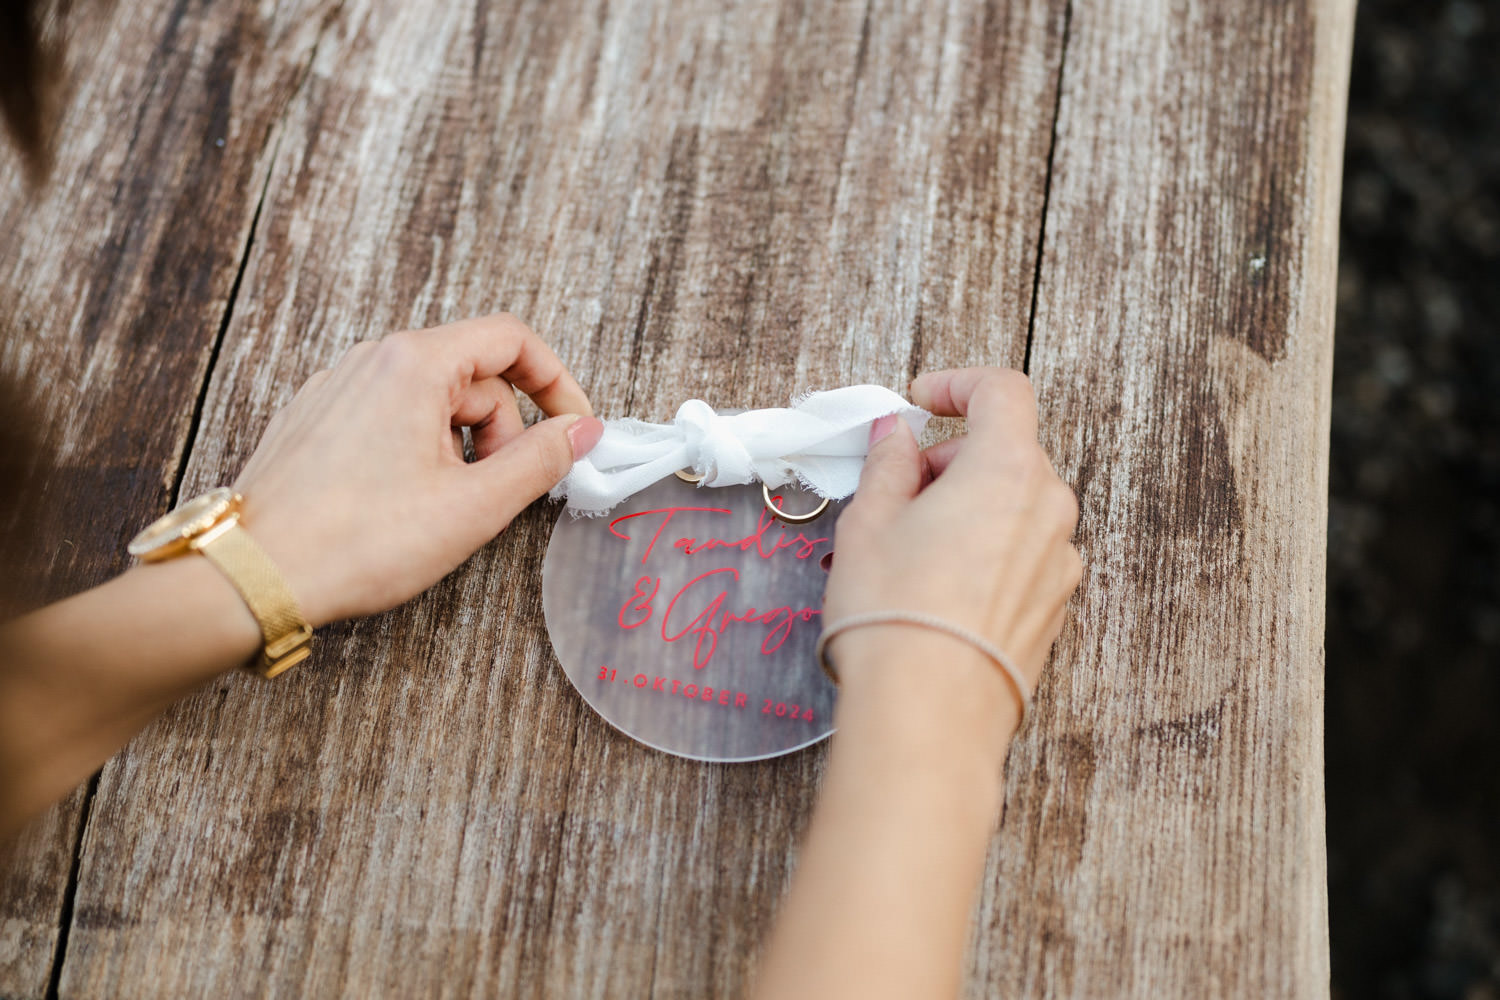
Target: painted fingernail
[
  {"x": 583, "y": 434},
  {"x": 882, "y": 428}
]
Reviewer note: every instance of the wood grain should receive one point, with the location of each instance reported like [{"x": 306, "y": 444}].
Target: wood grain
[
  {"x": 1164, "y": 833},
  {"x": 738, "y": 201},
  {"x": 114, "y": 281},
  {"x": 726, "y": 202}
]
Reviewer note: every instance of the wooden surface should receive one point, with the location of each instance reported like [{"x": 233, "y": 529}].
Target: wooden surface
[
  {"x": 114, "y": 282},
  {"x": 732, "y": 201}
]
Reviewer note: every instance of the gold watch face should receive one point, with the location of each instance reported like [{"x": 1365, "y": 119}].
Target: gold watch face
[{"x": 169, "y": 534}]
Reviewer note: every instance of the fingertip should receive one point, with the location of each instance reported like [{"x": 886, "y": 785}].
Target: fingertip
[
  {"x": 584, "y": 432},
  {"x": 897, "y": 436},
  {"x": 899, "y": 433},
  {"x": 893, "y": 466},
  {"x": 920, "y": 390}
]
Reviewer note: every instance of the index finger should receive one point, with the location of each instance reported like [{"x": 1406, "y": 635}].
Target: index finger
[
  {"x": 991, "y": 399},
  {"x": 502, "y": 345}
]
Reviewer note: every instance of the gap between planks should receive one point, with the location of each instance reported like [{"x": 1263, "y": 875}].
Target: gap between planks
[
  {"x": 70, "y": 892},
  {"x": 1041, "y": 236}
]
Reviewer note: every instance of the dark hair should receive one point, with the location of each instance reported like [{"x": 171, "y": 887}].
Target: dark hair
[{"x": 28, "y": 74}]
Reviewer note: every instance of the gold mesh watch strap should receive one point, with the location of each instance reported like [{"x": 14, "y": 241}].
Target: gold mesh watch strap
[{"x": 288, "y": 637}]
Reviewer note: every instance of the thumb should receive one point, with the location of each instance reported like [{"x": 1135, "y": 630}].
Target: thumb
[
  {"x": 534, "y": 461},
  {"x": 893, "y": 466}
]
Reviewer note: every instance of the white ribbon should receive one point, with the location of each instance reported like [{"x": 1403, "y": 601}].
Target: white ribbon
[{"x": 819, "y": 442}]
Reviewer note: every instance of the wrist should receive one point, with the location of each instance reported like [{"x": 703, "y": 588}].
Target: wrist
[
  {"x": 299, "y": 570},
  {"x": 924, "y": 704},
  {"x": 210, "y": 525},
  {"x": 204, "y": 595},
  {"x": 925, "y": 675}
]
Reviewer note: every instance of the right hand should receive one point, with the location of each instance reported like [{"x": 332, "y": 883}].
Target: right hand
[{"x": 974, "y": 530}]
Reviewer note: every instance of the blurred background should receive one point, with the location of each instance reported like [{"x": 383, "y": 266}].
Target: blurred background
[{"x": 1414, "y": 533}]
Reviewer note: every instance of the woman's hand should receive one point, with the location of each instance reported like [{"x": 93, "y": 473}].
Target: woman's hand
[
  {"x": 360, "y": 494},
  {"x": 359, "y": 490},
  {"x": 974, "y": 530}
]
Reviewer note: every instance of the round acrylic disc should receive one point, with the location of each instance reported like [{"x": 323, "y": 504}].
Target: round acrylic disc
[{"x": 687, "y": 618}]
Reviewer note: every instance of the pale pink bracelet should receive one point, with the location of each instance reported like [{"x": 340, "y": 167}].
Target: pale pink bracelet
[{"x": 974, "y": 639}]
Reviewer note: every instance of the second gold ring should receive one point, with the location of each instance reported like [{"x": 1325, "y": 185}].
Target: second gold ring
[{"x": 782, "y": 515}]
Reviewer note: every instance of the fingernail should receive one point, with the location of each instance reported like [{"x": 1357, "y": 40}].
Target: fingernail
[
  {"x": 882, "y": 428},
  {"x": 583, "y": 434}
]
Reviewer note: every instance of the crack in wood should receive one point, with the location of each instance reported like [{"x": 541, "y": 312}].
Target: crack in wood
[
  {"x": 65, "y": 916},
  {"x": 70, "y": 892},
  {"x": 1041, "y": 236}
]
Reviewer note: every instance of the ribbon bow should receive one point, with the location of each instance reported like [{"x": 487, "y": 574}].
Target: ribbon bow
[{"x": 819, "y": 441}]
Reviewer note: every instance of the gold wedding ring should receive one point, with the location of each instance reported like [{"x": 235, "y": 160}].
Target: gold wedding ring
[
  {"x": 689, "y": 476},
  {"x": 780, "y": 515}
]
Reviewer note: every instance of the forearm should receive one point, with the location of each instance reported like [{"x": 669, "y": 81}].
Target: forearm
[
  {"x": 361, "y": 498},
  {"x": 80, "y": 677},
  {"x": 881, "y": 901}
]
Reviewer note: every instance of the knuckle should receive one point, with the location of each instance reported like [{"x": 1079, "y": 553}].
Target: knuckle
[
  {"x": 1015, "y": 381},
  {"x": 506, "y": 324},
  {"x": 989, "y": 389},
  {"x": 1022, "y": 463},
  {"x": 1064, "y": 504},
  {"x": 1073, "y": 574},
  {"x": 399, "y": 346},
  {"x": 1005, "y": 385},
  {"x": 362, "y": 349},
  {"x": 400, "y": 354}
]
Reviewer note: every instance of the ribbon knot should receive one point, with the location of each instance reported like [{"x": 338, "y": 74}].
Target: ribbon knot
[
  {"x": 818, "y": 442},
  {"x": 715, "y": 451}
]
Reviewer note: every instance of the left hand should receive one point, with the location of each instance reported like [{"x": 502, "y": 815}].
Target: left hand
[{"x": 359, "y": 490}]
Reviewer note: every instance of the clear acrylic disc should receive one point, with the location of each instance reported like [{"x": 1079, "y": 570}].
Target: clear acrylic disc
[{"x": 687, "y": 617}]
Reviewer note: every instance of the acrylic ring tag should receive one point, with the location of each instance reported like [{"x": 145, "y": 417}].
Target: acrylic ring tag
[{"x": 687, "y": 618}]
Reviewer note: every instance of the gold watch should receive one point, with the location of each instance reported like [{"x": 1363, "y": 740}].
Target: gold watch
[{"x": 210, "y": 524}]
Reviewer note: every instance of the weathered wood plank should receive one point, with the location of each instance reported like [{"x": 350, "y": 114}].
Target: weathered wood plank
[
  {"x": 734, "y": 201},
  {"x": 1165, "y": 827},
  {"x": 114, "y": 281},
  {"x": 32, "y": 890}
]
